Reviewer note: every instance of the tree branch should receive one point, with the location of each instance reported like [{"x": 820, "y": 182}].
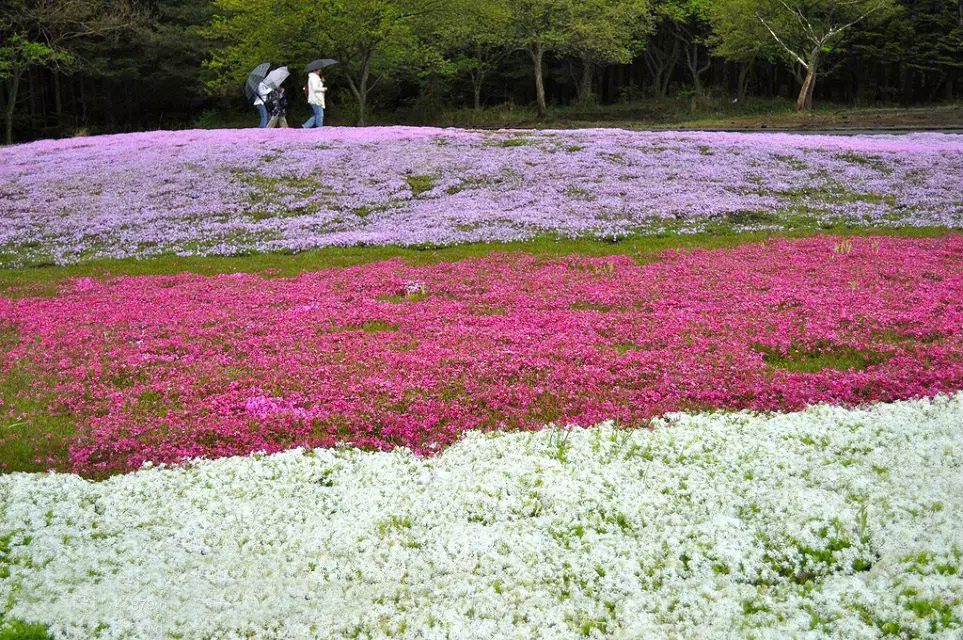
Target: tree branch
[{"x": 795, "y": 56}]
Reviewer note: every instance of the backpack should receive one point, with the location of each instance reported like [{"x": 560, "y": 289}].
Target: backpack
[{"x": 305, "y": 91}]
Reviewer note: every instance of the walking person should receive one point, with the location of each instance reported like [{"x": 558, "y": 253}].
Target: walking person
[
  {"x": 279, "y": 110},
  {"x": 261, "y": 95},
  {"x": 315, "y": 93}
]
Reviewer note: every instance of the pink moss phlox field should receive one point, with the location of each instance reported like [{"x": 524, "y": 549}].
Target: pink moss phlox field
[
  {"x": 388, "y": 354},
  {"x": 229, "y": 192}
]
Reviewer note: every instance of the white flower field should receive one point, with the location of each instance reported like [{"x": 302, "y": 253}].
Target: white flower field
[{"x": 829, "y": 523}]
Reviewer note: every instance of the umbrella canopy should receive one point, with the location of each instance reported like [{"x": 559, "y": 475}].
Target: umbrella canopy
[
  {"x": 320, "y": 64},
  {"x": 255, "y": 78},
  {"x": 276, "y": 77}
]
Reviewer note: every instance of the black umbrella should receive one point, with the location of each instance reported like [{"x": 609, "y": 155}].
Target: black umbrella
[
  {"x": 255, "y": 78},
  {"x": 320, "y": 64}
]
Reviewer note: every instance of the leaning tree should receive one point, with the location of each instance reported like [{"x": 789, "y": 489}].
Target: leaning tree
[{"x": 805, "y": 32}]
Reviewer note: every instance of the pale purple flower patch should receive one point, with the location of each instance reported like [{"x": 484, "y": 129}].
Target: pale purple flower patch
[{"x": 238, "y": 191}]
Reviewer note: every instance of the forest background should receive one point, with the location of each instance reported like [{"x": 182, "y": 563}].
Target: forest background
[{"x": 74, "y": 67}]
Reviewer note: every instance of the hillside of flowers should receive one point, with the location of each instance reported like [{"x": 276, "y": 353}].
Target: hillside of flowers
[
  {"x": 241, "y": 191},
  {"x": 825, "y": 524},
  {"x": 761, "y": 441},
  {"x": 387, "y": 354}
]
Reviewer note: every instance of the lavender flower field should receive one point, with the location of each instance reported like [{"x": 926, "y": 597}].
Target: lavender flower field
[{"x": 242, "y": 191}]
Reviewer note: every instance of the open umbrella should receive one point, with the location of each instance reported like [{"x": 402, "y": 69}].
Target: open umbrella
[
  {"x": 276, "y": 77},
  {"x": 255, "y": 78},
  {"x": 320, "y": 64}
]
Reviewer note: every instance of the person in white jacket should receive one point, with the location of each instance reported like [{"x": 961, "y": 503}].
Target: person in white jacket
[
  {"x": 262, "y": 94},
  {"x": 315, "y": 93}
]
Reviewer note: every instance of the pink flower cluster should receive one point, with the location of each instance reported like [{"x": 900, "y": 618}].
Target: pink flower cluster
[{"x": 165, "y": 368}]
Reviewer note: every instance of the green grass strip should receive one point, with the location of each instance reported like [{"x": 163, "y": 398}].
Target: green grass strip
[{"x": 643, "y": 248}]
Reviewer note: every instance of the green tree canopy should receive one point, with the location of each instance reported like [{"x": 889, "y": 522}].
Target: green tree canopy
[
  {"x": 537, "y": 27},
  {"x": 687, "y": 20},
  {"x": 474, "y": 36},
  {"x": 37, "y": 33},
  {"x": 604, "y": 32},
  {"x": 367, "y": 37}
]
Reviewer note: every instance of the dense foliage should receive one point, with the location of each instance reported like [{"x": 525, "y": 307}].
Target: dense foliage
[{"x": 143, "y": 64}]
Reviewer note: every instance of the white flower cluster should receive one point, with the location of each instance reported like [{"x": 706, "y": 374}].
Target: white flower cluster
[
  {"x": 414, "y": 288},
  {"x": 830, "y": 523}
]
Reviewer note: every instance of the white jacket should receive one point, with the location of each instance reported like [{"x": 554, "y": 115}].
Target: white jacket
[
  {"x": 316, "y": 90},
  {"x": 262, "y": 92}
]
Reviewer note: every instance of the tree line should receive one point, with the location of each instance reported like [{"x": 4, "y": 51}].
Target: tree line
[{"x": 121, "y": 65}]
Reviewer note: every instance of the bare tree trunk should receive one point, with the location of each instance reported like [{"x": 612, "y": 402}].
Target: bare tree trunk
[
  {"x": 477, "y": 79},
  {"x": 33, "y": 95},
  {"x": 690, "y": 46},
  {"x": 58, "y": 99},
  {"x": 362, "y": 107},
  {"x": 537, "y": 53},
  {"x": 83, "y": 100},
  {"x": 585, "y": 82},
  {"x": 744, "y": 69},
  {"x": 805, "y": 99},
  {"x": 359, "y": 89},
  {"x": 43, "y": 101},
  {"x": 691, "y": 50},
  {"x": 14, "y": 84},
  {"x": 655, "y": 70},
  {"x": 809, "y": 94},
  {"x": 129, "y": 107},
  {"x": 660, "y": 65},
  {"x": 361, "y": 98}
]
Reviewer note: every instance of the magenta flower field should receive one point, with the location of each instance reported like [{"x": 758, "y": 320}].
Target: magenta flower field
[
  {"x": 234, "y": 192},
  {"x": 387, "y": 354}
]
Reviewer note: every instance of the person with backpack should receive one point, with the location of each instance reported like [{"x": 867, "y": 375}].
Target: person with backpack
[
  {"x": 279, "y": 109},
  {"x": 314, "y": 91},
  {"x": 261, "y": 96}
]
